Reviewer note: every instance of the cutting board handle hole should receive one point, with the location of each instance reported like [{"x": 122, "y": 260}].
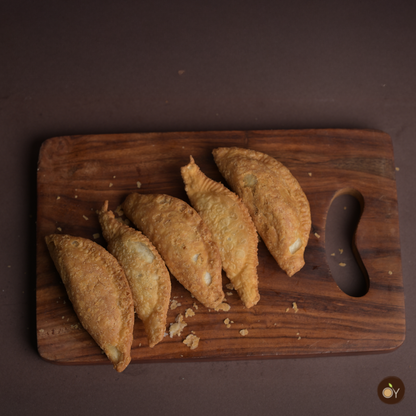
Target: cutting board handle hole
[{"x": 345, "y": 263}]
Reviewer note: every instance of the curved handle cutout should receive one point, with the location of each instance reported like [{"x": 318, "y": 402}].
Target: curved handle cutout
[{"x": 345, "y": 263}]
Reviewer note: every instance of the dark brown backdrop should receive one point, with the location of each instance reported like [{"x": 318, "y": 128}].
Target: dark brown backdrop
[{"x": 114, "y": 67}]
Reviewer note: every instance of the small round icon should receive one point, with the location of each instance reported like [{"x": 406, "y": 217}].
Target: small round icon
[{"x": 391, "y": 390}]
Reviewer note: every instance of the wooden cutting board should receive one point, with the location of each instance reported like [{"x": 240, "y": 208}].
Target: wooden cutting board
[{"x": 77, "y": 173}]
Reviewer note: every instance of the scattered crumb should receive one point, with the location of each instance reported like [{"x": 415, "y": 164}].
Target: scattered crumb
[
  {"x": 230, "y": 293},
  {"x": 229, "y": 286},
  {"x": 138, "y": 184},
  {"x": 41, "y": 330},
  {"x": 58, "y": 197},
  {"x": 76, "y": 196},
  {"x": 310, "y": 173},
  {"x": 119, "y": 211},
  {"x": 244, "y": 332},
  {"x": 295, "y": 307},
  {"x": 181, "y": 71},
  {"x": 140, "y": 344},
  {"x": 114, "y": 176},
  {"x": 195, "y": 306},
  {"x": 189, "y": 313},
  {"x": 390, "y": 272},
  {"x": 191, "y": 341},
  {"x": 59, "y": 228},
  {"x": 96, "y": 235},
  {"x": 332, "y": 254},
  {"x": 74, "y": 326},
  {"x": 397, "y": 169},
  {"x": 228, "y": 323},
  {"x": 342, "y": 264},
  {"x": 317, "y": 235},
  {"x": 174, "y": 304},
  {"x": 177, "y": 327},
  {"x": 287, "y": 309},
  {"x": 110, "y": 185},
  {"x": 85, "y": 217},
  {"x": 223, "y": 307},
  {"x": 340, "y": 250},
  {"x": 63, "y": 317},
  {"x": 299, "y": 337}
]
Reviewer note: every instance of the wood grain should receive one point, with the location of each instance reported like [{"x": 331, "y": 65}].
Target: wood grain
[{"x": 76, "y": 174}]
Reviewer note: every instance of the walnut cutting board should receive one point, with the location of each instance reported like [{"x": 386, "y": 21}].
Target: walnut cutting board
[{"x": 76, "y": 174}]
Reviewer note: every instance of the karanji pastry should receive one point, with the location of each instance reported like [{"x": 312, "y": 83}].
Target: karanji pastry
[
  {"x": 145, "y": 270},
  {"x": 275, "y": 200},
  {"x": 232, "y": 229},
  {"x": 99, "y": 292},
  {"x": 183, "y": 241}
]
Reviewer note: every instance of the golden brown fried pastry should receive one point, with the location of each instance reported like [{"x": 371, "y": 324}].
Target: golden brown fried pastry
[
  {"x": 99, "y": 292},
  {"x": 145, "y": 270},
  {"x": 232, "y": 229},
  {"x": 275, "y": 200},
  {"x": 183, "y": 241}
]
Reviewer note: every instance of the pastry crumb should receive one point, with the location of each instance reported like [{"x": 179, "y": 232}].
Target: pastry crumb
[
  {"x": 397, "y": 168},
  {"x": 110, "y": 184},
  {"x": 189, "y": 313},
  {"x": 59, "y": 228},
  {"x": 138, "y": 184},
  {"x": 96, "y": 235},
  {"x": 333, "y": 254},
  {"x": 76, "y": 196},
  {"x": 85, "y": 217},
  {"x": 340, "y": 250},
  {"x": 317, "y": 235},
  {"x": 114, "y": 176},
  {"x": 174, "y": 304},
  {"x": 342, "y": 264},
  {"x": 58, "y": 197},
  {"x": 195, "y": 306},
  {"x": 74, "y": 326},
  {"x": 229, "y": 286},
  {"x": 191, "y": 341},
  {"x": 310, "y": 173},
  {"x": 177, "y": 327},
  {"x": 119, "y": 211},
  {"x": 390, "y": 272},
  {"x": 223, "y": 307},
  {"x": 227, "y": 322},
  {"x": 41, "y": 330},
  {"x": 243, "y": 332},
  {"x": 230, "y": 293},
  {"x": 295, "y": 307},
  {"x": 287, "y": 309},
  {"x": 181, "y": 71}
]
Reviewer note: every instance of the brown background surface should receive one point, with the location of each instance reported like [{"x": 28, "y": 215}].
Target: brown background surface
[{"x": 70, "y": 68}]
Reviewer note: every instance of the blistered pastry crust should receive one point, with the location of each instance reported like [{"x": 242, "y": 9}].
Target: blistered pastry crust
[
  {"x": 232, "y": 229},
  {"x": 145, "y": 270},
  {"x": 99, "y": 292},
  {"x": 183, "y": 241},
  {"x": 275, "y": 200}
]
